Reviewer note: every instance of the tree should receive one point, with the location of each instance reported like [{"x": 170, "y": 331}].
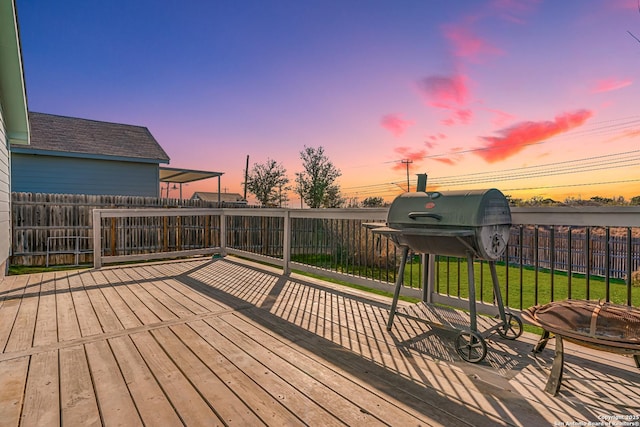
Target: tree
[
  {"x": 373, "y": 202},
  {"x": 316, "y": 184},
  {"x": 635, "y": 200},
  {"x": 268, "y": 182},
  {"x": 332, "y": 198}
]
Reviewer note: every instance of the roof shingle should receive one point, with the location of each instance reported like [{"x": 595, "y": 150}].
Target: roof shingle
[{"x": 74, "y": 135}]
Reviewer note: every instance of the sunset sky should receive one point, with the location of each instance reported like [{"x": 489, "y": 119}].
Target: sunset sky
[{"x": 533, "y": 97}]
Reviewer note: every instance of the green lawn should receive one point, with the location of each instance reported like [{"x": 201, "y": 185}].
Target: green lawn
[
  {"x": 533, "y": 287},
  {"x": 526, "y": 287}
]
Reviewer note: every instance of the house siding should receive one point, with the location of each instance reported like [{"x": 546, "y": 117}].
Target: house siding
[
  {"x": 5, "y": 196},
  {"x": 68, "y": 175}
]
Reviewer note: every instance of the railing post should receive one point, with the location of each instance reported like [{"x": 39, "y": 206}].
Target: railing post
[
  {"x": 223, "y": 233},
  {"x": 286, "y": 243},
  {"x": 429, "y": 277},
  {"x": 97, "y": 237}
]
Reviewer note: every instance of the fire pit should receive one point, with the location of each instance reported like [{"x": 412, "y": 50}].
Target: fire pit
[
  {"x": 472, "y": 224},
  {"x": 597, "y": 324}
]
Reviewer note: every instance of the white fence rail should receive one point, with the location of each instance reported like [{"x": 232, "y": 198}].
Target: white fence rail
[{"x": 333, "y": 243}]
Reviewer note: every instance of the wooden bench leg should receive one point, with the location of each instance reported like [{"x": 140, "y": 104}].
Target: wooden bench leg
[
  {"x": 636, "y": 357},
  {"x": 555, "y": 378}
]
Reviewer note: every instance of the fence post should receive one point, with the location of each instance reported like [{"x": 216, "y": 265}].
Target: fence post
[
  {"x": 286, "y": 243},
  {"x": 97, "y": 235}
]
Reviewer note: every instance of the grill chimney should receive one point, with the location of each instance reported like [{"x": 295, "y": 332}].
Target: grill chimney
[{"x": 422, "y": 182}]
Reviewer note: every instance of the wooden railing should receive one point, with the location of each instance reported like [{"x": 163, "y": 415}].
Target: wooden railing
[{"x": 553, "y": 253}]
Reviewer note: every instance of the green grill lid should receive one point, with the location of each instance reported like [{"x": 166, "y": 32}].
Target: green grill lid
[{"x": 468, "y": 208}]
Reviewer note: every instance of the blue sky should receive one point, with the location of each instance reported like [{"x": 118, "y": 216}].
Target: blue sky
[{"x": 531, "y": 97}]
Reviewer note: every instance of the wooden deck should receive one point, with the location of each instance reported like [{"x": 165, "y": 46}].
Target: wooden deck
[{"x": 229, "y": 342}]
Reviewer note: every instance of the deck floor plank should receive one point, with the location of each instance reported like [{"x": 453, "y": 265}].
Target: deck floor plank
[
  {"x": 191, "y": 406},
  {"x": 229, "y": 408},
  {"x": 197, "y": 336},
  {"x": 41, "y": 402},
  {"x": 138, "y": 286},
  {"x": 121, "y": 309},
  {"x": 94, "y": 283},
  {"x": 12, "y": 292},
  {"x": 46, "y": 329},
  {"x": 78, "y": 404},
  {"x": 247, "y": 356},
  {"x": 313, "y": 379},
  {"x": 231, "y": 342},
  {"x": 67, "y": 321},
  {"x": 24, "y": 325},
  {"x": 87, "y": 318},
  {"x": 140, "y": 310},
  {"x": 197, "y": 294},
  {"x": 114, "y": 400},
  {"x": 13, "y": 379},
  {"x": 149, "y": 398}
]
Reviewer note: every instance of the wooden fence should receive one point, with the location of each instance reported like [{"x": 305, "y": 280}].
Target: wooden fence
[
  {"x": 62, "y": 225},
  {"x": 56, "y": 221}
]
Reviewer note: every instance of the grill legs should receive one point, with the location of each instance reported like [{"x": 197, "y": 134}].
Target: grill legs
[
  {"x": 470, "y": 344},
  {"x": 396, "y": 292}
]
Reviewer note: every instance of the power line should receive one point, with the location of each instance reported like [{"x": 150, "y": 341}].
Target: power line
[
  {"x": 574, "y": 185},
  {"x": 588, "y": 164}
]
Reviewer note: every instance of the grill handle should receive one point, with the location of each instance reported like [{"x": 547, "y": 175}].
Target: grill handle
[{"x": 414, "y": 215}]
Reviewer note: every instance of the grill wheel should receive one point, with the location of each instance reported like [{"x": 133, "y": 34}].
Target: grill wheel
[
  {"x": 471, "y": 346},
  {"x": 512, "y": 327}
]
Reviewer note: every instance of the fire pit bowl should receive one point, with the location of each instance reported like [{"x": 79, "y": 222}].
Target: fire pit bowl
[{"x": 601, "y": 325}]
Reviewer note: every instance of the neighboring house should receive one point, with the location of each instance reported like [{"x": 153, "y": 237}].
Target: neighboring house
[
  {"x": 213, "y": 197},
  {"x": 14, "y": 121},
  {"x": 69, "y": 155}
]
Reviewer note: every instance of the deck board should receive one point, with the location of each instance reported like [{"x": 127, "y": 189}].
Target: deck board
[
  {"x": 229, "y": 342},
  {"x": 41, "y": 405},
  {"x": 78, "y": 405}
]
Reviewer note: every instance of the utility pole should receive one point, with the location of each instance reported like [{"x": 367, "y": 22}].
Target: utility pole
[
  {"x": 407, "y": 162},
  {"x": 246, "y": 178}
]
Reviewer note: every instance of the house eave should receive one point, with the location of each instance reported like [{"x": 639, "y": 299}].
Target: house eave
[
  {"x": 34, "y": 152},
  {"x": 12, "y": 82}
]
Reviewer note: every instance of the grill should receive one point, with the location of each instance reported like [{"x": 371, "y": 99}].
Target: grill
[
  {"x": 597, "y": 324},
  {"x": 453, "y": 223},
  {"x": 472, "y": 224}
]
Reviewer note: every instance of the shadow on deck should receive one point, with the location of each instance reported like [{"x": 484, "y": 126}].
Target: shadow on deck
[{"x": 232, "y": 342}]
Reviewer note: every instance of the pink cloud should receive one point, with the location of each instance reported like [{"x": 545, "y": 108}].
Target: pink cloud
[
  {"x": 449, "y": 93},
  {"x": 608, "y": 85},
  {"x": 464, "y": 116},
  {"x": 444, "y": 91},
  {"x": 445, "y": 160},
  {"x": 409, "y": 154},
  {"x": 432, "y": 139},
  {"x": 461, "y": 116},
  {"x": 515, "y": 138},
  {"x": 395, "y": 124},
  {"x": 468, "y": 45},
  {"x": 622, "y": 5},
  {"x": 500, "y": 117}
]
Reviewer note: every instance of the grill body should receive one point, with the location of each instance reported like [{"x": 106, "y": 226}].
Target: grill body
[
  {"x": 452, "y": 223},
  {"x": 470, "y": 224}
]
